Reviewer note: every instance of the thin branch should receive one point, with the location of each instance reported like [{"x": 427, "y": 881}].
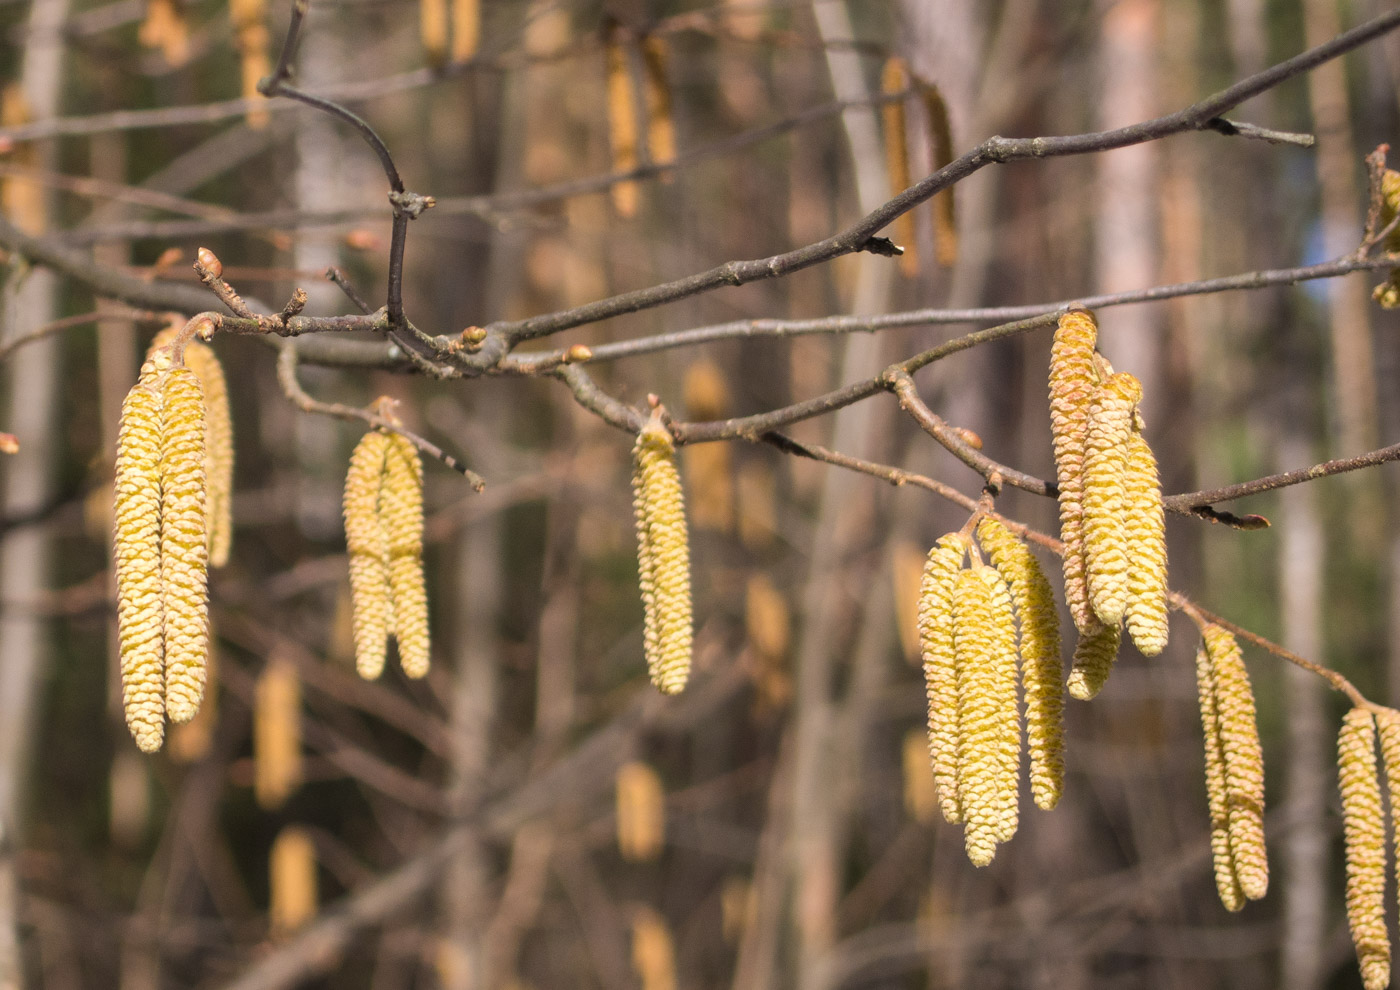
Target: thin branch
[
  {"x": 1237, "y": 128},
  {"x": 772, "y": 328},
  {"x": 78, "y": 320},
  {"x": 994, "y": 150},
  {"x": 1190, "y": 501},
  {"x": 902, "y": 385},
  {"x": 343, "y": 283},
  {"x": 287, "y": 378}
]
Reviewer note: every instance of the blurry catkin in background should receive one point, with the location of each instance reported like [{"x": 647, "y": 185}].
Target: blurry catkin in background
[
  {"x": 622, "y": 122},
  {"x": 641, "y": 812},
  {"x": 276, "y": 733},
  {"x": 894, "y": 80},
  {"x": 709, "y": 471},
  {"x": 653, "y": 950},
  {"x": 251, "y": 36},
  {"x": 291, "y": 881}
]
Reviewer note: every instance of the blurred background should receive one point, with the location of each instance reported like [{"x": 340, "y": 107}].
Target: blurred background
[{"x": 533, "y": 814}]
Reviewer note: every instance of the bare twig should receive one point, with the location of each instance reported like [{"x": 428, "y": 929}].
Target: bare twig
[
  {"x": 1242, "y": 129},
  {"x": 1191, "y": 501},
  {"x": 343, "y": 283},
  {"x": 211, "y": 273},
  {"x": 77, "y": 320},
  {"x": 287, "y": 377}
]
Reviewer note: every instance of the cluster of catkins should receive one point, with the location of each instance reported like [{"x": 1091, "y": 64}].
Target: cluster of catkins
[
  {"x": 1388, "y": 292},
  {"x": 1111, "y": 521},
  {"x": 384, "y": 535},
  {"x": 173, "y": 481},
  {"x": 971, "y": 653}
]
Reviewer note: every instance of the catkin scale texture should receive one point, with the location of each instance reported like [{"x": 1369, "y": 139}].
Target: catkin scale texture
[
  {"x": 183, "y": 545},
  {"x": 1364, "y": 832},
  {"x": 1110, "y": 424},
  {"x": 1388, "y": 724},
  {"x": 137, "y": 553},
  {"x": 1226, "y": 880},
  {"x": 1243, "y": 760},
  {"x": 401, "y": 513},
  {"x": 1093, "y": 660},
  {"x": 980, "y": 640},
  {"x": 663, "y": 557},
  {"x": 1073, "y": 379},
  {"x": 1041, "y": 666},
  {"x": 368, "y": 546},
  {"x": 1144, "y": 527},
  {"x": 941, "y": 667}
]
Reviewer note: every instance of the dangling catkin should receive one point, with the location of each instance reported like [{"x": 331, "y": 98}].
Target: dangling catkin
[
  {"x": 663, "y": 556},
  {"x": 139, "y": 614},
  {"x": 1145, "y": 529},
  {"x": 641, "y": 812},
  {"x": 401, "y": 514},
  {"x": 184, "y": 552},
  {"x": 1243, "y": 760},
  {"x": 1041, "y": 667},
  {"x": 1363, "y": 826},
  {"x": 1073, "y": 380},
  {"x": 1093, "y": 660},
  {"x": 894, "y": 79},
  {"x": 218, "y": 441},
  {"x": 368, "y": 545},
  {"x": 622, "y": 123},
  {"x": 1105, "y": 461},
  {"x": 941, "y": 668},
  {"x": 1227, "y": 882},
  {"x": 292, "y": 881},
  {"x": 985, "y": 650},
  {"x": 276, "y": 734},
  {"x": 653, "y": 950},
  {"x": 1388, "y": 722}
]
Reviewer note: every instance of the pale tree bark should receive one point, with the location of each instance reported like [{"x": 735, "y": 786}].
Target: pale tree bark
[
  {"x": 24, "y": 554},
  {"x": 1337, "y": 161},
  {"x": 814, "y": 845},
  {"x": 1301, "y": 565},
  {"x": 1125, "y": 218}
]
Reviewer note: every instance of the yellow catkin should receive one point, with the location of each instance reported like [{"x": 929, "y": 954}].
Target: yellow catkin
[
  {"x": 165, "y": 27},
  {"x": 218, "y": 441},
  {"x": 137, "y": 553},
  {"x": 663, "y": 556},
  {"x": 920, "y": 796},
  {"x": 1227, "y": 882},
  {"x": 894, "y": 79},
  {"x": 661, "y": 128},
  {"x": 276, "y": 734},
  {"x": 184, "y": 551},
  {"x": 622, "y": 126},
  {"x": 767, "y": 619},
  {"x": 1093, "y": 661},
  {"x": 641, "y": 812},
  {"x": 466, "y": 29},
  {"x": 1388, "y": 722},
  {"x": 368, "y": 546},
  {"x": 1105, "y": 463},
  {"x": 653, "y": 951},
  {"x": 1363, "y": 827},
  {"x": 1041, "y": 666},
  {"x": 1073, "y": 380},
  {"x": 401, "y": 512},
  {"x": 1388, "y": 292},
  {"x": 292, "y": 881},
  {"x": 941, "y": 667},
  {"x": 1243, "y": 760},
  {"x": 1145, "y": 529},
  {"x": 250, "y": 33},
  {"x": 981, "y": 643},
  {"x": 432, "y": 29},
  {"x": 945, "y": 228}
]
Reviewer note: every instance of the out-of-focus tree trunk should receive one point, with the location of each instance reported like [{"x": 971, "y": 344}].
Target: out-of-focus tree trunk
[
  {"x": 1125, "y": 222},
  {"x": 24, "y": 554},
  {"x": 1301, "y": 566},
  {"x": 1353, "y": 368}
]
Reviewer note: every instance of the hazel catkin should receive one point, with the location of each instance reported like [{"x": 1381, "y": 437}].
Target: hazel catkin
[
  {"x": 183, "y": 547},
  {"x": 941, "y": 668},
  {"x": 1110, "y": 424},
  {"x": 1041, "y": 667},
  {"x": 1243, "y": 760},
  {"x": 1144, "y": 529},
  {"x": 1363, "y": 827},
  {"x": 137, "y": 553},
  {"x": 368, "y": 546},
  {"x": 1227, "y": 882},
  {"x": 401, "y": 509},
  {"x": 1093, "y": 660},
  {"x": 1073, "y": 379},
  {"x": 663, "y": 556}
]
